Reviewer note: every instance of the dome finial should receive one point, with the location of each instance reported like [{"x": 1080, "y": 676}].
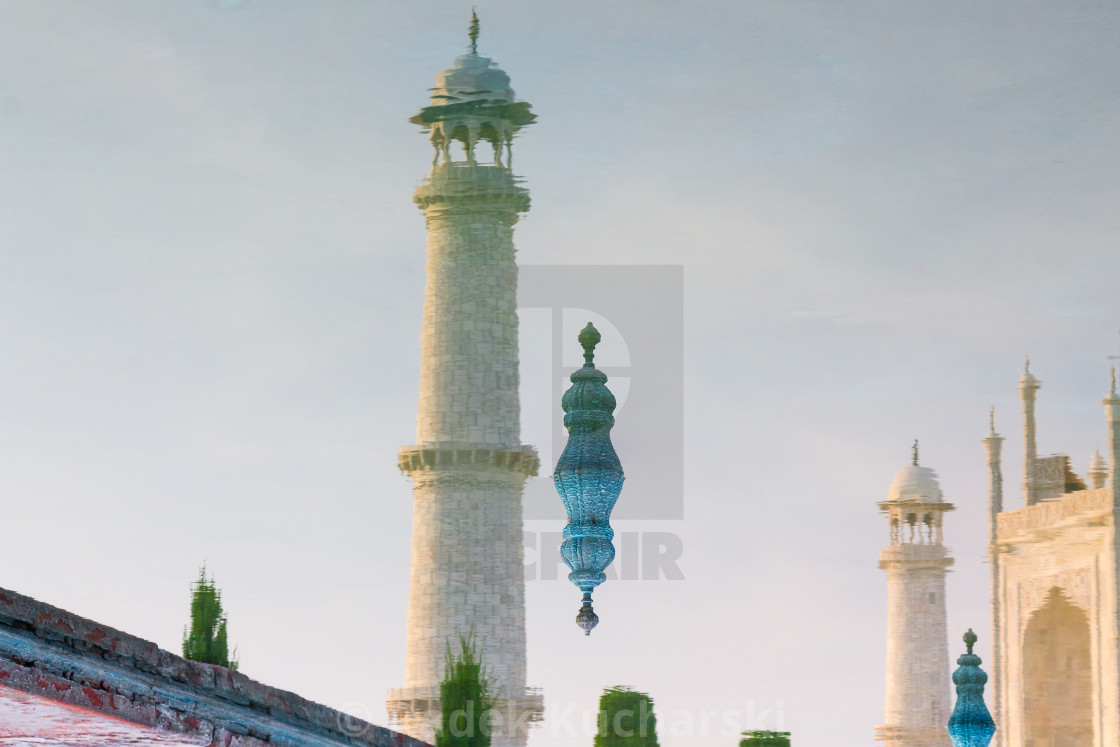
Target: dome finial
[
  {"x": 969, "y": 640},
  {"x": 915, "y": 452},
  {"x": 588, "y": 338},
  {"x": 473, "y": 32},
  {"x": 1027, "y": 367}
]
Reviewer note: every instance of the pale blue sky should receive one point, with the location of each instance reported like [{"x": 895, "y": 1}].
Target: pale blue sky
[{"x": 212, "y": 277}]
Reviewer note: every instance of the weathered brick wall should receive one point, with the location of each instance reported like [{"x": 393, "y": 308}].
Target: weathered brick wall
[{"x": 53, "y": 653}]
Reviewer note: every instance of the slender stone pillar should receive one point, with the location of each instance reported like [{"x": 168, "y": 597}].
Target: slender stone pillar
[
  {"x": 1028, "y": 389},
  {"x": 1110, "y": 679},
  {"x": 1112, "y": 410},
  {"x": 468, "y": 465},
  {"x": 916, "y": 561},
  {"x": 993, "y": 443}
]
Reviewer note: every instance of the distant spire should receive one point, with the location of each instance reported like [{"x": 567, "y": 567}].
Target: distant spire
[
  {"x": 1114, "y": 358},
  {"x": 992, "y": 419},
  {"x": 473, "y": 32},
  {"x": 1112, "y": 391},
  {"x": 915, "y": 452},
  {"x": 1027, "y": 367}
]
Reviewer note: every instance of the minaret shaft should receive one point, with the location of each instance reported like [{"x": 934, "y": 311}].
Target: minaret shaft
[
  {"x": 993, "y": 445},
  {"x": 917, "y": 704},
  {"x": 1028, "y": 389},
  {"x": 468, "y": 375}
]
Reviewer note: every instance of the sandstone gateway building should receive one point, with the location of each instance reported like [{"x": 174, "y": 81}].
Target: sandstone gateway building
[{"x": 1055, "y": 661}]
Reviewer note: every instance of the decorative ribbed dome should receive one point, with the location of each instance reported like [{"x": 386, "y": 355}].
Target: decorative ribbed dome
[
  {"x": 588, "y": 477},
  {"x": 474, "y": 79},
  {"x": 915, "y": 483},
  {"x": 971, "y": 724},
  {"x": 474, "y": 92}
]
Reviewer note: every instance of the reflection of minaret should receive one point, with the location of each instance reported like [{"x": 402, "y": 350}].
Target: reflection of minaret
[
  {"x": 993, "y": 443},
  {"x": 916, "y": 562},
  {"x": 468, "y": 465},
  {"x": 1028, "y": 389}
]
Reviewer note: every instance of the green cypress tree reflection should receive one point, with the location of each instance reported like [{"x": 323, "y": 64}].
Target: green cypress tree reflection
[{"x": 204, "y": 639}]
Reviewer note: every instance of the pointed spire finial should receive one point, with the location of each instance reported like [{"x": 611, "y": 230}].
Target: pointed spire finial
[
  {"x": 992, "y": 419},
  {"x": 473, "y": 32},
  {"x": 1027, "y": 367},
  {"x": 915, "y": 447},
  {"x": 1112, "y": 390}
]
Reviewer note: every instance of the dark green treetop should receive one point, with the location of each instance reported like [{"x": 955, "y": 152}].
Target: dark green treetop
[
  {"x": 765, "y": 739},
  {"x": 204, "y": 639},
  {"x": 626, "y": 719},
  {"x": 465, "y": 699}
]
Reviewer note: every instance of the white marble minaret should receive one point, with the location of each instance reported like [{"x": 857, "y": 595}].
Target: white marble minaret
[
  {"x": 918, "y": 705},
  {"x": 468, "y": 466}
]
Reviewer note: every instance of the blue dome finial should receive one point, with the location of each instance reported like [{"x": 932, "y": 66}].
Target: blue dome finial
[
  {"x": 970, "y": 725},
  {"x": 588, "y": 338},
  {"x": 588, "y": 477}
]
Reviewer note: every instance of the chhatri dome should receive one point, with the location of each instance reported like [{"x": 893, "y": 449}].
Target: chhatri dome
[
  {"x": 915, "y": 484},
  {"x": 472, "y": 101}
]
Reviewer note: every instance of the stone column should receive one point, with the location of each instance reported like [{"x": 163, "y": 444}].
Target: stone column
[
  {"x": 1110, "y": 685},
  {"x": 993, "y": 445},
  {"x": 1028, "y": 389},
  {"x": 917, "y": 704}
]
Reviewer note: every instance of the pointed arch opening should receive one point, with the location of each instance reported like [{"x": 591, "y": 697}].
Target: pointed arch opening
[{"x": 1057, "y": 675}]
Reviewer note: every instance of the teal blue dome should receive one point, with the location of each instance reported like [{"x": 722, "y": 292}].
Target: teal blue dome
[{"x": 970, "y": 725}]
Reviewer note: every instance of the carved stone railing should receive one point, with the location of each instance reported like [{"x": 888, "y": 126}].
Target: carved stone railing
[{"x": 1082, "y": 504}]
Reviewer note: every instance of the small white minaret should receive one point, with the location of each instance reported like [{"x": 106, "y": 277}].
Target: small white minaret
[
  {"x": 1028, "y": 389},
  {"x": 1112, "y": 409},
  {"x": 993, "y": 443},
  {"x": 1098, "y": 471},
  {"x": 916, "y": 561}
]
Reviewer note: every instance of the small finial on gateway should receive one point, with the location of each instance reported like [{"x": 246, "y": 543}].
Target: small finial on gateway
[
  {"x": 473, "y": 32},
  {"x": 915, "y": 452}
]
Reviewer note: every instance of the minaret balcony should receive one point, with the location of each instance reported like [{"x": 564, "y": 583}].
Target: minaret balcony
[{"x": 458, "y": 457}]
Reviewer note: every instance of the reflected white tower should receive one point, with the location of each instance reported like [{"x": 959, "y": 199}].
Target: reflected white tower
[
  {"x": 918, "y": 704},
  {"x": 468, "y": 465}
]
